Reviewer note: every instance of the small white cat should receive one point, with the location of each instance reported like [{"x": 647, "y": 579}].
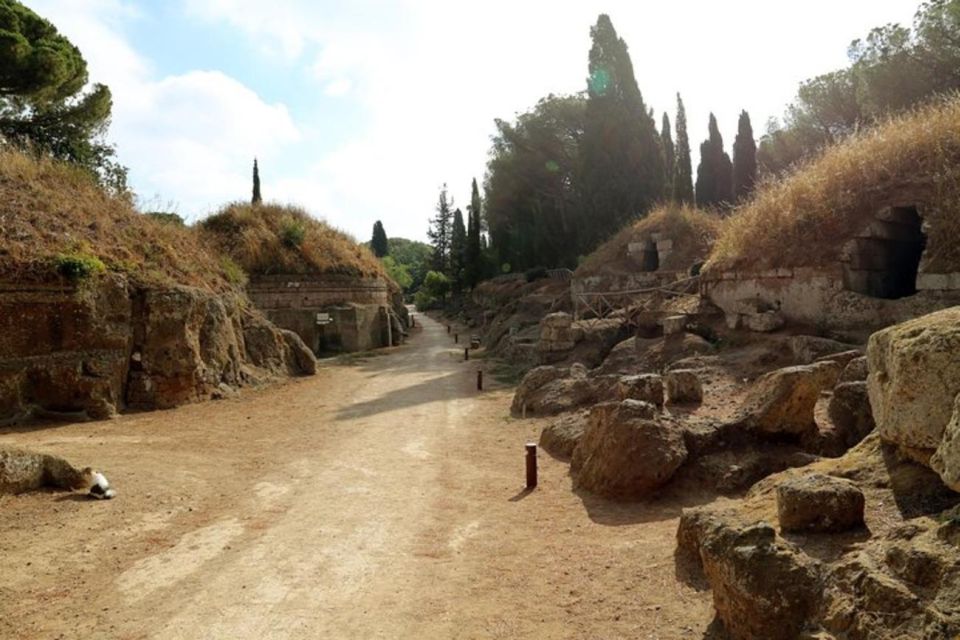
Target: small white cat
[{"x": 99, "y": 485}]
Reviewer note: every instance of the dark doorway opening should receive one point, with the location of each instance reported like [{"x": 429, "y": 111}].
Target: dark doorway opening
[
  {"x": 650, "y": 259},
  {"x": 883, "y": 261}
]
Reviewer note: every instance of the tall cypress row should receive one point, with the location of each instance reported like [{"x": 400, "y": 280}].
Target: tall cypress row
[
  {"x": 744, "y": 159},
  {"x": 683, "y": 167},
  {"x": 621, "y": 162},
  {"x": 715, "y": 172},
  {"x": 379, "y": 243},
  {"x": 256, "y": 184},
  {"x": 473, "y": 259},
  {"x": 669, "y": 159}
]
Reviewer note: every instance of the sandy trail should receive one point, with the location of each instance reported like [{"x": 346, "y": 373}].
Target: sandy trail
[{"x": 378, "y": 499}]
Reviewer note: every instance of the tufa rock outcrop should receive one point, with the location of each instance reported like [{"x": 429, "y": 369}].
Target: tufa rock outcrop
[
  {"x": 817, "y": 503},
  {"x": 783, "y": 401}
]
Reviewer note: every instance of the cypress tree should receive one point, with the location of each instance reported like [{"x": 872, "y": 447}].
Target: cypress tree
[
  {"x": 621, "y": 162},
  {"x": 458, "y": 251},
  {"x": 669, "y": 159},
  {"x": 683, "y": 168},
  {"x": 744, "y": 159},
  {"x": 439, "y": 233},
  {"x": 256, "y": 184},
  {"x": 715, "y": 173},
  {"x": 379, "y": 243},
  {"x": 473, "y": 258}
]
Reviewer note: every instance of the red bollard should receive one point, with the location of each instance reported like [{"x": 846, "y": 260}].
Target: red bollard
[{"x": 531, "y": 465}]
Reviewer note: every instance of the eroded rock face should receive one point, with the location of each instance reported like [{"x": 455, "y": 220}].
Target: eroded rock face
[
  {"x": 819, "y": 503},
  {"x": 807, "y": 349},
  {"x": 855, "y": 371},
  {"x": 89, "y": 351},
  {"x": 914, "y": 378},
  {"x": 627, "y": 451},
  {"x": 783, "y": 401},
  {"x": 647, "y": 387}
]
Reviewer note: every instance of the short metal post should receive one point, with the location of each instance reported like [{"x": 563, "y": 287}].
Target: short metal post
[
  {"x": 466, "y": 355},
  {"x": 531, "y": 465},
  {"x": 448, "y": 328},
  {"x": 456, "y": 338},
  {"x": 479, "y": 380},
  {"x": 523, "y": 411}
]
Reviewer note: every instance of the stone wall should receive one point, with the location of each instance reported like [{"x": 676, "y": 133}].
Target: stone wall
[
  {"x": 819, "y": 297},
  {"x": 359, "y": 309},
  {"x": 92, "y": 350}
]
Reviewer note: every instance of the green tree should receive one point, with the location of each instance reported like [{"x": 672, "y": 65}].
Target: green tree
[
  {"x": 622, "y": 165},
  {"x": 398, "y": 272},
  {"x": 533, "y": 204},
  {"x": 435, "y": 287},
  {"x": 683, "y": 168},
  {"x": 715, "y": 171},
  {"x": 413, "y": 256},
  {"x": 474, "y": 255},
  {"x": 439, "y": 232},
  {"x": 257, "y": 199},
  {"x": 669, "y": 157},
  {"x": 744, "y": 159},
  {"x": 43, "y": 103},
  {"x": 379, "y": 243},
  {"x": 458, "y": 252}
]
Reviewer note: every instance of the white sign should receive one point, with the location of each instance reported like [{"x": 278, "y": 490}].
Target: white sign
[{"x": 324, "y": 318}]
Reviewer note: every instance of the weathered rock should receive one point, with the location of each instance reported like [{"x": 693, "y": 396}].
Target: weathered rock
[
  {"x": 783, "y": 401},
  {"x": 807, "y": 349},
  {"x": 946, "y": 459},
  {"x": 626, "y": 451},
  {"x": 819, "y": 503},
  {"x": 855, "y": 371},
  {"x": 683, "y": 385},
  {"x": 673, "y": 325},
  {"x": 762, "y": 587},
  {"x": 548, "y": 391},
  {"x": 560, "y": 437},
  {"x": 849, "y": 409},
  {"x": 300, "y": 360},
  {"x": 765, "y": 322},
  {"x": 647, "y": 387},
  {"x": 22, "y": 471},
  {"x": 914, "y": 378},
  {"x": 556, "y": 333}
]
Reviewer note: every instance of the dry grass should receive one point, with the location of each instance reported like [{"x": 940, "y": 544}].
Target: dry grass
[
  {"x": 693, "y": 232},
  {"x": 272, "y": 238},
  {"x": 805, "y": 219},
  {"x": 51, "y": 212}
]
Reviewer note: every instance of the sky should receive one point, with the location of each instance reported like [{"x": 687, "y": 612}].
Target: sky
[{"x": 360, "y": 110}]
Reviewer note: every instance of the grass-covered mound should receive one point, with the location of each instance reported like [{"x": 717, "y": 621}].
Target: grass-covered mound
[
  {"x": 271, "y": 238},
  {"x": 56, "y": 221},
  {"x": 693, "y": 232},
  {"x": 805, "y": 219}
]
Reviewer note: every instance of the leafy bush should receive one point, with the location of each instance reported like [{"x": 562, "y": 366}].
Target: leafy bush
[
  {"x": 398, "y": 272},
  {"x": 233, "y": 272},
  {"x": 77, "y": 266},
  {"x": 292, "y": 234},
  {"x": 425, "y": 301},
  {"x": 166, "y": 217},
  {"x": 436, "y": 284}
]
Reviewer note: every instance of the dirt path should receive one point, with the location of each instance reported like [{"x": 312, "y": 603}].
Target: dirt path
[{"x": 379, "y": 499}]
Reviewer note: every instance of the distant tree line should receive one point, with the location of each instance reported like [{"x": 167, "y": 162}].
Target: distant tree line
[{"x": 893, "y": 69}]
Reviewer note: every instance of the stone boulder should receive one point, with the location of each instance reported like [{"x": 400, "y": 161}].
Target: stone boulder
[
  {"x": 763, "y": 587},
  {"x": 548, "y": 390},
  {"x": 683, "y": 386},
  {"x": 783, "y": 401},
  {"x": 914, "y": 378},
  {"x": 765, "y": 322},
  {"x": 627, "y": 451},
  {"x": 556, "y": 333},
  {"x": 946, "y": 459},
  {"x": 849, "y": 409},
  {"x": 298, "y": 357},
  {"x": 855, "y": 371},
  {"x": 560, "y": 437},
  {"x": 647, "y": 387},
  {"x": 819, "y": 503},
  {"x": 22, "y": 471}
]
